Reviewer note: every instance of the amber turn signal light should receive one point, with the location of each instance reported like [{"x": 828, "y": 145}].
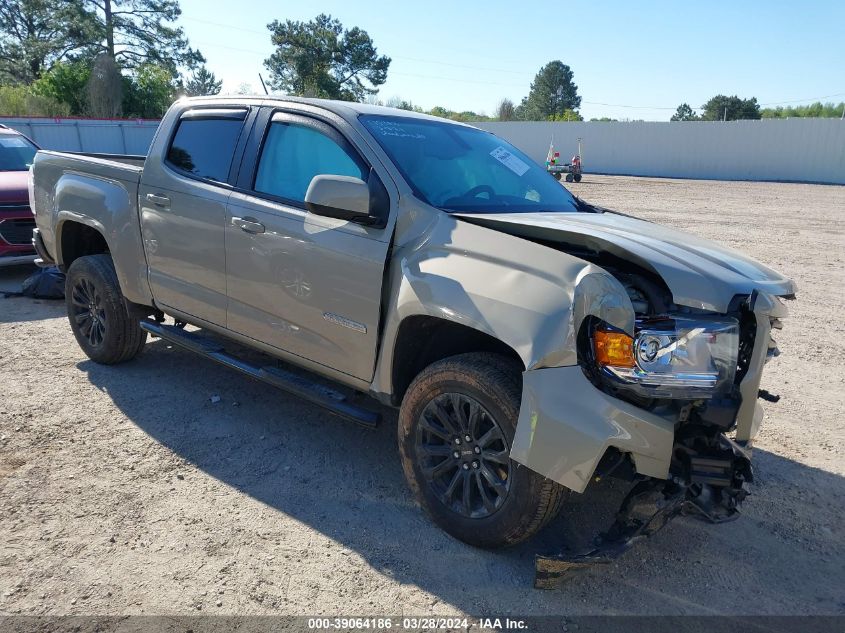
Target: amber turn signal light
[{"x": 614, "y": 348}]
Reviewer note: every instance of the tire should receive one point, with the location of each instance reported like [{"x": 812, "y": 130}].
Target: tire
[
  {"x": 569, "y": 178},
  {"x": 577, "y": 177},
  {"x": 97, "y": 313},
  {"x": 557, "y": 176},
  {"x": 486, "y": 388}
]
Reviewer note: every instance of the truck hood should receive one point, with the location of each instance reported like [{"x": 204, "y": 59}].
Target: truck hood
[
  {"x": 13, "y": 187},
  {"x": 699, "y": 273}
]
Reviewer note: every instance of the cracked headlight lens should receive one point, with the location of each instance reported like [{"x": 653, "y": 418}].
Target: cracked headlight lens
[{"x": 677, "y": 357}]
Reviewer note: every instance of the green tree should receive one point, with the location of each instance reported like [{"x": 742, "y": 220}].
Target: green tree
[
  {"x": 440, "y": 111},
  {"x": 66, "y": 82},
  {"x": 202, "y": 82},
  {"x": 552, "y": 94},
  {"x": 566, "y": 115},
  {"x": 732, "y": 108},
  {"x": 684, "y": 113},
  {"x": 36, "y": 34},
  {"x": 21, "y": 101},
  {"x": 813, "y": 110},
  {"x": 321, "y": 59},
  {"x": 505, "y": 110},
  {"x": 137, "y": 32},
  {"x": 400, "y": 104},
  {"x": 465, "y": 116},
  {"x": 148, "y": 92}
]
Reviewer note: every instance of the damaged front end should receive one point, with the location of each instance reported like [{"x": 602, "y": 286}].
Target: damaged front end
[
  {"x": 706, "y": 481},
  {"x": 693, "y": 374}
]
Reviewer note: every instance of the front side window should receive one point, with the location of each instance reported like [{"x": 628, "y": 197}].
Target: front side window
[
  {"x": 16, "y": 153},
  {"x": 463, "y": 169},
  {"x": 204, "y": 147},
  {"x": 293, "y": 154}
]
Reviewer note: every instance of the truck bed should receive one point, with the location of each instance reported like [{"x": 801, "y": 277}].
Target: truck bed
[
  {"x": 94, "y": 192},
  {"x": 119, "y": 166},
  {"x": 135, "y": 160}
]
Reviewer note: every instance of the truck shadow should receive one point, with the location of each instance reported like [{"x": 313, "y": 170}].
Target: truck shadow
[{"x": 346, "y": 482}]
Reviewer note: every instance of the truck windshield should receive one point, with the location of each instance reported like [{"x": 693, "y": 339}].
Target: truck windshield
[
  {"x": 16, "y": 153},
  {"x": 466, "y": 170}
]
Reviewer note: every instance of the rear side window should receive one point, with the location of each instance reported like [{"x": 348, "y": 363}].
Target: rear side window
[
  {"x": 204, "y": 147},
  {"x": 293, "y": 154}
]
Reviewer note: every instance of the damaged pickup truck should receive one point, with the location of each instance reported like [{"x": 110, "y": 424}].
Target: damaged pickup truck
[{"x": 531, "y": 341}]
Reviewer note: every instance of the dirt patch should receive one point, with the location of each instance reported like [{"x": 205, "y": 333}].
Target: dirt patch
[{"x": 125, "y": 490}]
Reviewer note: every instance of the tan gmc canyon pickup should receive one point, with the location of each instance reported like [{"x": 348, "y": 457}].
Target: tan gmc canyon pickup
[{"x": 531, "y": 341}]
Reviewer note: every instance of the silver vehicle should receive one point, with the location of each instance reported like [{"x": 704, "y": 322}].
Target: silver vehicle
[{"x": 531, "y": 340}]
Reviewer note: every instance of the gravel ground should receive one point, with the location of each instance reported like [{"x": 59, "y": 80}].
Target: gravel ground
[{"x": 125, "y": 490}]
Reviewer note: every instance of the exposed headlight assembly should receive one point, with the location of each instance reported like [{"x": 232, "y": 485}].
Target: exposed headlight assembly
[{"x": 676, "y": 357}]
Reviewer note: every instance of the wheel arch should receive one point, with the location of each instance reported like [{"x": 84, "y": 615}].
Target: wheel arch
[
  {"x": 77, "y": 237},
  {"x": 423, "y": 339}
]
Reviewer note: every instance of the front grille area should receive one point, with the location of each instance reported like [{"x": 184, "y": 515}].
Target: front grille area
[{"x": 17, "y": 232}]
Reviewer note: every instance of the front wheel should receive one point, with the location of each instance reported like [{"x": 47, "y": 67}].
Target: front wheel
[
  {"x": 577, "y": 177},
  {"x": 569, "y": 177},
  {"x": 97, "y": 313},
  {"x": 456, "y": 429}
]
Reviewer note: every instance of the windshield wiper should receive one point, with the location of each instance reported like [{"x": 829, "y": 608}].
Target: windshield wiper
[{"x": 586, "y": 207}]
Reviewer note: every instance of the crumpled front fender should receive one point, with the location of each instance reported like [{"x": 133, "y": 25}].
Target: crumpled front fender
[
  {"x": 530, "y": 297},
  {"x": 750, "y": 415}
]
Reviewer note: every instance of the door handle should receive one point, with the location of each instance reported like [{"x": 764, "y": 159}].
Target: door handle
[
  {"x": 248, "y": 225},
  {"x": 158, "y": 199}
]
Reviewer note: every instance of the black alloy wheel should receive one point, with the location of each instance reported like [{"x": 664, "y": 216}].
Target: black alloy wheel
[
  {"x": 88, "y": 311},
  {"x": 464, "y": 455},
  {"x": 98, "y": 314}
]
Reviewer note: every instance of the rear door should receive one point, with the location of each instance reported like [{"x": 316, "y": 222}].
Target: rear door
[
  {"x": 306, "y": 284},
  {"x": 182, "y": 198}
]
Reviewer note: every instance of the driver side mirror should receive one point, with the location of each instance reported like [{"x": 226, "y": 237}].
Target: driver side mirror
[{"x": 346, "y": 198}]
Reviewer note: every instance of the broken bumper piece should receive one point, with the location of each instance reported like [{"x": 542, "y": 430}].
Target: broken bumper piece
[{"x": 707, "y": 483}]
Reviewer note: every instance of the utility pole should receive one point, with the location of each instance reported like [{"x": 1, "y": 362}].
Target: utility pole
[{"x": 725, "y": 116}]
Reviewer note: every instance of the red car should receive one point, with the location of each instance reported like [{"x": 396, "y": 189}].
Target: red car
[{"x": 16, "y": 220}]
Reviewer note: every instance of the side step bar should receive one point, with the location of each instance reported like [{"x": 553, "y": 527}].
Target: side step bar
[{"x": 306, "y": 389}]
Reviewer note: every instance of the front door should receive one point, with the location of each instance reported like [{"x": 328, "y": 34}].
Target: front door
[
  {"x": 306, "y": 284},
  {"x": 183, "y": 199}
]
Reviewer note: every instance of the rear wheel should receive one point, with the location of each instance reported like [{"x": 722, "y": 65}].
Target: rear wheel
[
  {"x": 97, "y": 313},
  {"x": 456, "y": 429},
  {"x": 577, "y": 177},
  {"x": 569, "y": 178},
  {"x": 556, "y": 175}
]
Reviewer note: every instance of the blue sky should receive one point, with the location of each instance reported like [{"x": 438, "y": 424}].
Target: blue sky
[{"x": 468, "y": 55}]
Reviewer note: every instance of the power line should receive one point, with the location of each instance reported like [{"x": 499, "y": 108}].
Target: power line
[
  {"x": 440, "y": 45},
  {"x": 641, "y": 107},
  {"x": 392, "y": 72},
  {"x": 838, "y": 94},
  {"x": 620, "y": 105},
  {"x": 414, "y": 59},
  {"x": 494, "y": 83}
]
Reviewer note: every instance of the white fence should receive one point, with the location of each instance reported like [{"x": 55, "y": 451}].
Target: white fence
[
  {"x": 804, "y": 150},
  {"x": 108, "y": 136}
]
